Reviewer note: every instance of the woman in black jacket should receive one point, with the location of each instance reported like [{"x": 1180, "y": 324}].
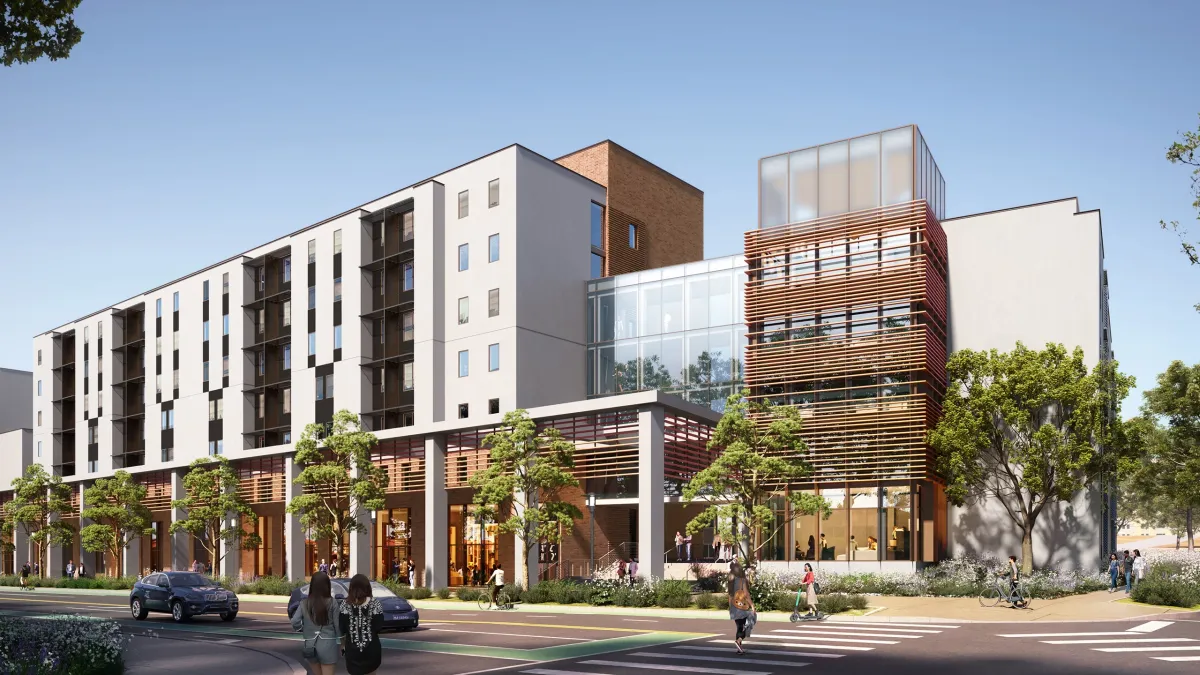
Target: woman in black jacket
[{"x": 361, "y": 619}]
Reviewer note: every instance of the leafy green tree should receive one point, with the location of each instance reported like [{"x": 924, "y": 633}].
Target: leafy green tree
[
  {"x": 761, "y": 454},
  {"x": 1183, "y": 151},
  {"x": 39, "y": 500},
  {"x": 31, "y": 29},
  {"x": 213, "y": 508},
  {"x": 1174, "y": 463},
  {"x": 339, "y": 479},
  {"x": 1027, "y": 429},
  {"x": 519, "y": 488},
  {"x": 114, "y": 505}
]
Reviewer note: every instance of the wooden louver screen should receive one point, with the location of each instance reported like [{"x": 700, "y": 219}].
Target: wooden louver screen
[
  {"x": 158, "y": 490},
  {"x": 404, "y": 461},
  {"x": 261, "y": 480}
]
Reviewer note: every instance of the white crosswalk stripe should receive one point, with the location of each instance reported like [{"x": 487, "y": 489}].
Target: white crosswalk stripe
[
  {"x": 848, "y": 648},
  {"x": 1176, "y": 658},
  {"x": 896, "y": 624},
  {"x": 851, "y": 633},
  {"x": 1133, "y": 640},
  {"x": 823, "y": 638},
  {"x": 671, "y": 666},
  {"x": 724, "y": 659},
  {"x": 807, "y": 655},
  {"x": 1114, "y": 641}
]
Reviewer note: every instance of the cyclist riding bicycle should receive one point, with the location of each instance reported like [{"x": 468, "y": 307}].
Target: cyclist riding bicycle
[{"x": 497, "y": 581}]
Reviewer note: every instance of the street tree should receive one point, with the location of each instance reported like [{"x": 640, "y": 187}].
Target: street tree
[
  {"x": 114, "y": 505},
  {"x": 1027, "y": 429},
  {"x": 1174, "y": 466},
  {"x": 213, "y": 509},
  {"x": 340, "y": 483},
  {"x": 759, "y": 457},
  {"x": 31, "y": 29},
  {"x": 36, "y": 509},
  {"x": 519, "y": 488},
  {"x": 1183, "y": 151}
]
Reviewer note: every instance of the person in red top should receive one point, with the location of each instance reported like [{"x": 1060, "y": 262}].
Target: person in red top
[{"x": 810, "y": 596}]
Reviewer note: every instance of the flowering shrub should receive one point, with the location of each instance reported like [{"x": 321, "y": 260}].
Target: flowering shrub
[
  {"x": 110, "y": 583},
  {"x": 1172, "y": 578},
  {"x": 69, "y": 645}
]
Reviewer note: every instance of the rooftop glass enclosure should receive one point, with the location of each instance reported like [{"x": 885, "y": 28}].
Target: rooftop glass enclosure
[
  {"x": 679, "y": 329},
  {"x": 880, "y": 169}
]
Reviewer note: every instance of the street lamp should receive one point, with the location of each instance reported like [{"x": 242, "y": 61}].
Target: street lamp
[{"x": 591, "y": 504}]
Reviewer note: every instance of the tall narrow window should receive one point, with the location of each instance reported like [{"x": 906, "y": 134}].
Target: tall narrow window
[
  {"x": 408, "y": 277},
  {"x": 287, "y": 401},
  {"x": 39, "y": 418},
  {"x": 494, "y": 193},
  {"x": 493, "y": 248},
  {"x": 406, "y": 370},
  {"x": 494, "y": 302},
  {"x": 320, "y": 388},
  {"x": 206, "y": 291},
  {"x": 464, "y": 310},
  {"x": 176, "y": 301},
  {"x": 493, "y": 357},
  {"x": 462, "y": 204},
  {"x": 225, "y": 366},
  {"x": 312, "y": 344},
  {"x": 632, "y": 235},
  {"x": 224, "y": 324},
  {"x": 464, "y": 364},
  {"x": 287, "y": 357},
  {"x": 158, "y": 307},
  {"x": 312, "y": 297},
  {"x": 287, "y": 313},
  {"x": 337, "y": 242},
  {"x": 39, "y": 357},
  {"x": 464, "y": 257},
  {"x": 287, "y": 269},
  {"x": 158, "y": 346},
  {"x": 337, "y": 289},
  {"x": 206, "y": 331},
  {"x": 406, "y": 226},
  {"x": 225, "y": 283},
  {"x": 337, "y": 337},
  {"x": 206, "y": 371},
  {"x": 597, "y": 226},
  {"x": 39, "y": 387},
  {"x": 312, "y": 251},
  {"x": 175, "y": 340},
  {"x": 597, "y": 265},
  {"x": 406, "y": 322},
  {"x": 262, "y": 361}
]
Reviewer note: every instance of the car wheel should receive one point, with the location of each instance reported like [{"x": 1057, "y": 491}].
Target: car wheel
[
  {"x": 177, "y": 612},
  {"x": 228, "y": 616},
  {"x": 137, "y": 610}
]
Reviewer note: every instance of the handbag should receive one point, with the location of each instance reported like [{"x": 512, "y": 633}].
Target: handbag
[
  {"x": 817, "y": 587},
  {"x": 309, "y": 651},
  {"x": 741, "y": 598}
]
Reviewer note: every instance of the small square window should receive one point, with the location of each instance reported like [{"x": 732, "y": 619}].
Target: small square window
[
  {"x": 464, "y": 256},
  {"x": 494, "y": 302},
  {"x": 493, "y": 406},
  {"x": 464, "y": 411},
  {"x": 597, "y": 266},
  {"x": 464, "y": 363},
  {"x": 494, "y": 193},
  {"x": 632, "y": 235},
  {"x": 337, "y": 242},
  {"x": 462, "y": 204},
  {"x": 493, "y": 357},
  {"x": 493, "y": 248},
  {"x": 464, "y": 311}
]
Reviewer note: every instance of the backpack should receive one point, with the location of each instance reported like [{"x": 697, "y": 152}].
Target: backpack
[{"x": 741, "y": 597}]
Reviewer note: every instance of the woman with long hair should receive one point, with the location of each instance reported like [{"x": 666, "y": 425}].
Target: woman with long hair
[
  {"x": 810, "y": 592},
  {"x": 317, "y": 619},
  {"x": 741, "y": 607},
  {"x": 361, "y": 620}
]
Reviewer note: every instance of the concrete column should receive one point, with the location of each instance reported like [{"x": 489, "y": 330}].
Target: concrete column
[
  {"x": 181, "y": 558},
  {"x": 437, "y": 514},
  {"x": 293, "y": 533},
  {"x": 54, "y": 558},
  {"x": 86, "y": 558},
  {"x": 131, "y": 558},
  {"x": 231, "y": 553},
  {"x": 360, "y": 541},
  {"x": 650, "y": 493}
]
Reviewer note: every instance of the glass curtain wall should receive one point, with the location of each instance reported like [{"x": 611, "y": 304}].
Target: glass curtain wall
[
  {"x": 678, "y": 329},
  {"x": 867, "y": 524}
]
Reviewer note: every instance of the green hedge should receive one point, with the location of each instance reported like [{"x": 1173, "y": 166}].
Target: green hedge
[
  {"x": 1168, "y": 584},
  {"x": 106, "y": 583}
]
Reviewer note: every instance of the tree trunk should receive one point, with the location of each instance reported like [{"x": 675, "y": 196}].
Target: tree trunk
[
  {"x": 1191, "y": 535},
  {"x": 1027, "y": 549}
]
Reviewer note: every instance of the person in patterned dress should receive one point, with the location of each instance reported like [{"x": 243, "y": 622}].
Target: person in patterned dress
[{"x": 361, "y": 619}]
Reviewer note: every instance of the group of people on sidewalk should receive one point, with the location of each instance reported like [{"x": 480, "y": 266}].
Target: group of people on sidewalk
[
  {"x": 334, "y": 629},
  {"x": 1131, "y": 568}
]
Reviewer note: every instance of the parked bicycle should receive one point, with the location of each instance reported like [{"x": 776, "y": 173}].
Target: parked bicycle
[{"x": 1001, "y": 590}]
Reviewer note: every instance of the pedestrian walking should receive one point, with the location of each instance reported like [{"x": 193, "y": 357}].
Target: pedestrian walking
[
  {"x": 1139, "y": 567},
  {"x": 633, "y": 569},
  {"x": 318, "y": 620},
  {"x": 678, "y": 546},
  {"x": 25, "y": 569},
  {"x": 80, "y": 571},
  {"x": 621, "y": 570},
  {"x": 687, "y": 543},
  {"x": 412, "y": 573},
  {"x": 323, "y": 567},
  {"x": 718, "y": 550},
  {"x": 810, "y": 589},
  {"x": 361, "y": 619},
  {"x": 37, "y": 569},
  {"x": 1127, "y": 569},
  {"x": 70, "y": 570},
  {"x": 1113, "y": 567},
  {"x": 741, "y": 606}
]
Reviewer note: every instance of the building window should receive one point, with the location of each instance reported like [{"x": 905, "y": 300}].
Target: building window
[
  {"x": 168, "y": 419},
  {"x": 312, "y": 344},
  {"x": 406, "y": 324},
  {"x": 261, "y": 406},
  {"x": 493, "y": 406},
  {"x": 312, "y": 251},
  {"x": 99, "y": 402},
  {"x": 206, "y": 290},
  {"x": 85, "y": 335},
  {"x": 406, "y": 226},
  {"x": 597, "y": 265},
  {"x": 597, "y": 226},
  {"x": 262, "y": 321},
  {"x": 408, "y": 277},
  {"x": 175, "y": 340},
  {"x": 287, "y": 357},
  {"x": 464, "y": 411},
  {"x": 224, "y": 324},
  {"x": 312, "y": 297},
  {"x": 493, "y": 357},
  {"x": 216, "y": 410},
  {"x": 493, "y": 248},
  {"x": 225, "y": 283},
  {"x": 176, "y": 301},
  {"x": 632, "y": 235},
  {"x": 39, "y": 449},
  {"x": 337, "y": 289},
  {"x": 205, "y": 368},
  {"x": 494, "y": 302},
  {"x": 225, "y": 366},
  {"x": 39, "y": 387},
  {"x": 464, "y": 257},
  {"x": 337, "y": 337},
  {"x": 287, "y": 269},
  {"x": 206, "y": 331},
  {"x": 39, "y": 357},
  {"x": 168, "y": 454},
  {"x": 261, "y": 357},
  {"x": 462, "y": 204},
  {"x": 337, "y": 242},
  {"x": 324, "y": 387},
  {"x": 158, "y": 307},
  {"x": 99, "y": 330},
  {"x": 494, "y": 193},
  {"x": 262, "y": 278},
  {"x": 463, "y": 364},
  {"x": 406, "y": 370},
  {"x": 158, "y": 384},
  {"x": 158, "y": 346},
  {"x": 175, "y": 379},
  {"x": 464, "y": 314},
  {"x": 39, "y": 418},
  {"x": 216, "y": 447},
  {"x": 287, "y": 401}
]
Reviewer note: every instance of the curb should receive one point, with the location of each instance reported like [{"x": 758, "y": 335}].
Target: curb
[
  {"x": 295, "y": 666},
  {"x": 248, "y": 597}
]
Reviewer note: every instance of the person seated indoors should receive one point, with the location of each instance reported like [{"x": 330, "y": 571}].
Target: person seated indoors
[{"x": 872, "y": 544}]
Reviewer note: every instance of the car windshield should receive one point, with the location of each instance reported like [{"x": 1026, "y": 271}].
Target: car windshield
[
  {"x": 189, "y": 579},
  {"x": 381, "y": 591}
]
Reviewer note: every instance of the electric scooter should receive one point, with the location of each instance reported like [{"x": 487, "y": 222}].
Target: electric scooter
[{"x": 798, "y": 617}]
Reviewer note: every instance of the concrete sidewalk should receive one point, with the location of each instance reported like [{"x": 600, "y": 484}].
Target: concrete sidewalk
[{"x": 146, "y": 655}]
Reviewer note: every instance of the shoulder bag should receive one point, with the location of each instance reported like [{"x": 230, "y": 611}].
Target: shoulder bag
[{"x": 309, "y": 652}]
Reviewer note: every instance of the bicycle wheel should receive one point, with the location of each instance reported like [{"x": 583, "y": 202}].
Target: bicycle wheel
[
  {"x": 1020, "y": 600},
  {"x": 485, "y": 601},
  {"x": 990, "y": 597}
]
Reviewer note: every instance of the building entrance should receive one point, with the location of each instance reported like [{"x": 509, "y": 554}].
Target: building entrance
[
  {"x": 473, "y": 548},
  {"x": 393, "y": 539}
]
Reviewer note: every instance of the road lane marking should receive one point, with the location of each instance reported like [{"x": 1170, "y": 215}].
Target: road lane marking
[
  {"x": 897, "y": 624},
  {"x": 464, "y": 615},
  {"x": 541, "y": 616},
  {"x": 1040, "y": 635},
  {"x": 608, "y": 629},
  {"x": 548, "y": 671},
  {"x": 642, "y": 620},
  {"x": 540, "y": 637},
  {"x": 849, "y": 648},
  {"x": 725, "y": 659},
  {"x": 807, "y": 655},
  {"x": 828, "y": 639},
  {"x": 1115, "y": 641},
  {"x": 845, "y": 627},
  {"x": 1176, "y": 658},
  {"x": 1150, "y": 626},
  {"x": 1145, "y": 649},
  {"x": 668, "y": 666},
  {"x": 851, "y": 633}
]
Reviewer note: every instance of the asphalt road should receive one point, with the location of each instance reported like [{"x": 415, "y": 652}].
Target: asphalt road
[{"x": 526, "y": 642}]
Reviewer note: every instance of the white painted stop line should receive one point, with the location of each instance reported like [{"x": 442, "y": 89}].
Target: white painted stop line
[{"x": 1150, "y": 626}]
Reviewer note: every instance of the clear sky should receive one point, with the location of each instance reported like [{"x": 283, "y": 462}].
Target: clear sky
[{"x": 181, "y": 133}]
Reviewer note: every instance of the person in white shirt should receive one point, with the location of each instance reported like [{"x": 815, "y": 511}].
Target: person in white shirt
[
  {"x": 1139, "y": 567},
  {"x": 497, "y": 579}
]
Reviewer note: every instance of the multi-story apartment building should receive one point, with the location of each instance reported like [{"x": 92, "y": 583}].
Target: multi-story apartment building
[{"x": 576, "y": 289}]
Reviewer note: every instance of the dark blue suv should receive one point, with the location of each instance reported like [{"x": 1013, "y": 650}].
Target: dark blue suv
[{"x": 183, "y": 595}]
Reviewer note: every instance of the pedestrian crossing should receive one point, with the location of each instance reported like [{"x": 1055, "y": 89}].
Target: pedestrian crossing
[
  {"x": 769, "y": 650},
  {"x": 1130, "y": 641}
]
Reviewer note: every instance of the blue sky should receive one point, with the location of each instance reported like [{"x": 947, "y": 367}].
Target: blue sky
[{"x": 181, "y": 133}]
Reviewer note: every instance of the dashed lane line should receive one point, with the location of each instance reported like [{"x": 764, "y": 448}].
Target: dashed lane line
[{"x": 669, "y": 666}]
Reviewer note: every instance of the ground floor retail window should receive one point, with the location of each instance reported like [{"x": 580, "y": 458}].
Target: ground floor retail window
[
  {"x": 393, "y": 538},
  {"x": 474, "y": 551},
  {"x": 866, "y": 524}
]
